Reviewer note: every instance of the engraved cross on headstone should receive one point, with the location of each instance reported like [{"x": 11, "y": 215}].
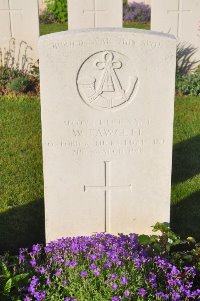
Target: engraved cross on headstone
[
  {"x": 179, "y": 13},
  {"x": 107, "y": 188},
  {"x": 10, "y": 11},
  {"x": 95, "y": 12}
]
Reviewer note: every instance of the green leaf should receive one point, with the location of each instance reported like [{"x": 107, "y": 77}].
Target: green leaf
[
  {"x": 157, "y": 247},
  {"x": 20, "y": 277},
  {"x": 7, "y": 287},
  {"x": 5, "y": 270},
  {"x": 144, "y": 239}
]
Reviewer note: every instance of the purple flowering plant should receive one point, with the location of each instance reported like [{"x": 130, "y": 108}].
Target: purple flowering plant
[
  {"x": 139, "y": 12},
  {"x": 101, "y": 267}
]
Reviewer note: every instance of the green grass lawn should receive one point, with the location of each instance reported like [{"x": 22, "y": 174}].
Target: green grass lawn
[
  {"x": 185, "y": 210},
  {"x": 136, "y": 25},
  {"x": 50, "y": 28},
  {"x": 21, "y": 181}
]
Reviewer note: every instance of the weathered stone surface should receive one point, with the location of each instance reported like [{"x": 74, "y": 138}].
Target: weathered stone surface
[
  {"x": 107, "y": 101},
  {"x": 182, "y": 19},
  {"x": 19, "y": 32},
  {"x": 94, "y": 13}
]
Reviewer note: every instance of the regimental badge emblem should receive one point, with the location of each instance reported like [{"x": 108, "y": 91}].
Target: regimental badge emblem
[{"x": 107, "y": 80}]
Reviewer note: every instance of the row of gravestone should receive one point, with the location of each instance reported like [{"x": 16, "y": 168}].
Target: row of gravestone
[{"x": 19, "y": 26}]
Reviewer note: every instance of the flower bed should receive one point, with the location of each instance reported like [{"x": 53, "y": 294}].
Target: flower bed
[
  {"x": 139, "y": 12},
  {"x": 101, "y": 267}
]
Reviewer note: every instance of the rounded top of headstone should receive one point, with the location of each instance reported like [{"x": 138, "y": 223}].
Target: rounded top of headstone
[{"x": 90, "y": 31}]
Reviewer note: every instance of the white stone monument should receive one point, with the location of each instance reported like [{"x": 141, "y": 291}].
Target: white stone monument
[
  {"x": 107, "y": 100},
  {"x": 180, "y": 18},
  {"x": 94, "y": 13},
  {"x": 19, "y": 32},
  {"x": 42, "y": 6}
]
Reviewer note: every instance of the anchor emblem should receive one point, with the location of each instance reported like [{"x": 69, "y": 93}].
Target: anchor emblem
[{"x": 105, "y": 89}]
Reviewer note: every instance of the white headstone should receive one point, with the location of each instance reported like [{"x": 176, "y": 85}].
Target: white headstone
[
  {"x": 19, "y": 31},
  {"x": 148, "y": 2},
  {"x": 107, "y": 100},
  {"x": 94, "y": 13},
  {"x": 42, "y": 6},
  {"x": 180, "y": 18}
]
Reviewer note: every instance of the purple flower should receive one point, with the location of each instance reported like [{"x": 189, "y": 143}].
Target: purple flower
[
  {"x": 83, "y": 274},
  {"x": 114, "y": 286},
  {"x": 39, "y": 296},
  {"x": 58, "y": 272},
  {"x": 33, "y": 262},
  {"x": 22, "y": 254},
  {"x": 33, "y": 284},
  {"x": 124, "y": 280},
  {"x": 42, "y": 270},
  {"x": 122, "y": 257},
  {"x": 176, "y": 296},
  {"x": 93, "y": 257},
  {"x": 113, "y": 276},
  {"x": 137, "y": 12},
  {"x": 142, "y": 292},
  {"x": 116, "y": 298},
  {"x": 127, "y": 293},
  {"x": 73, "y": 263},
  {"x": 96, "y": 272},
  {"x": 36, "y": 249},
  {"x": 92, "y": 266},
  {"x": 64, "y": 282},
  {"x": 48, "y": 281},
  {"x": 161, "y": 295}
]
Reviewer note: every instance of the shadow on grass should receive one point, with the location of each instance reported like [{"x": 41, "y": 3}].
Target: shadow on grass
[
  {"x": 185, "y": 216},
  {"x": 22, "y": 226},
  {"x": 186, "y": 160}
]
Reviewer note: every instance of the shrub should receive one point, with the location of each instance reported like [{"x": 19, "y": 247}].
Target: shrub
[
  {"x": 103, "y": 267},
  {"x": 188, "y": 84},
  {"x": 19, "y": 81},
  {"x": 137, "y": 12},
  {"x": 58, "y": 8},
  {"x": 10, "y": 282},
  {"x": 6, "y": 75},
  {"x": 48, "y": 17},
  {"x": 180, "y": 252},
  {"x": 21, "y": 84}
]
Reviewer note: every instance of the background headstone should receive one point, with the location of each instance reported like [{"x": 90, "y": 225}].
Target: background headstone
[
  {"x": 42, "y": 6},
  {"x": 180, "y": 18},
  {"x": 94, "y": 13},
  {"x": 107, "y": 100},
  {"x": 19, "y": 32}
]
